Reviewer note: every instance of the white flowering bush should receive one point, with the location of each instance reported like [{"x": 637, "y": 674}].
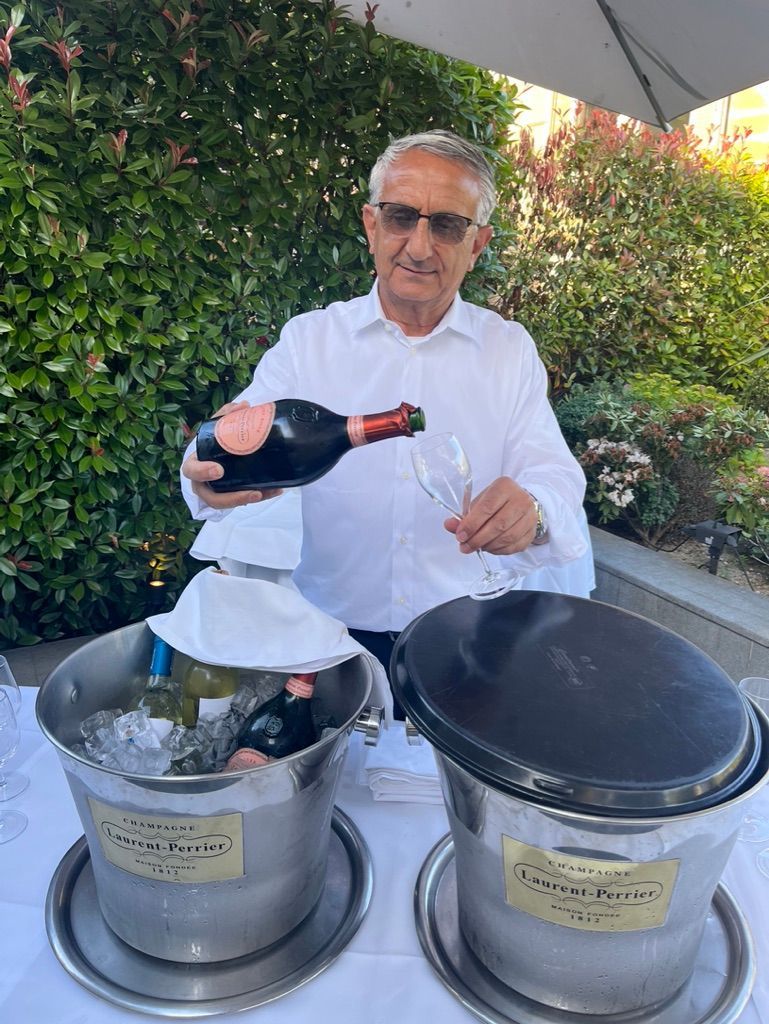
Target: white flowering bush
[
  {"x": 623, "y": 470},
  {"x": 653, "y": 451},
  {"x": 623, "y": 483}
]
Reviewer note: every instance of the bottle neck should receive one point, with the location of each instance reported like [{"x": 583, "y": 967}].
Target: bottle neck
[
  {"x": 301, "y": 684},
  {"x": 400, "y": 422},
  {"x": 162, "y": 656}
]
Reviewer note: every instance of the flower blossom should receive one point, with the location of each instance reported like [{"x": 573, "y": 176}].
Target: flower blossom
[
  {"x": 20, "y": 90},
  {"x": 5, "y": 49},
  {"x": 65, "y": 53},
  {"x": 117, "y": 143},
  {"x": 177, "y": 154}
]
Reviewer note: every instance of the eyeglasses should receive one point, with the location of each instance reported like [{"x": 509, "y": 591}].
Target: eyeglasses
[{"x": 398, "y": 219}]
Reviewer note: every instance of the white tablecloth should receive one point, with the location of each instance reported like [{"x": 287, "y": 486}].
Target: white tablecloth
[{"x": 381, "y": 978}]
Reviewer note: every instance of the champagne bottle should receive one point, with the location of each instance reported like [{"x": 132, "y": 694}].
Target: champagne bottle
[
  {"x": 279, "y": 727},
  {"x": 161, "y": 697},
  {"x": 292, "y": 442},
  {"x": 207, "y": 690}
]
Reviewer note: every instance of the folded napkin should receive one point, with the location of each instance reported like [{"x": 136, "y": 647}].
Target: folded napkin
[
  {"x": 395, "y": 770},
  {"x": 266, "y": 534},
  {"x": 252, "y": 623}
]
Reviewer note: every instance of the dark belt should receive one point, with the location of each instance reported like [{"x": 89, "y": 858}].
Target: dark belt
[{"x": 381, "y": 646}]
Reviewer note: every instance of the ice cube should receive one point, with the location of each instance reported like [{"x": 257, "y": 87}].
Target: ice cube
[
  {"x": 136, "y": 727},
  {"x": 101, "y": 743},
  {"x": 179, "y": 742},
  {"x": 154, "y": 762},
  {"x": 125, "y": 758},
  {"x": 101, "y": 720}
]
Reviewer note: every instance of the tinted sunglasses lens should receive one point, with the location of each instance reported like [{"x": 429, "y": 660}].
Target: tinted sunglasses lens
[
  {"x": 400, "y": 220},
  {"x": 445, "y": 227}
]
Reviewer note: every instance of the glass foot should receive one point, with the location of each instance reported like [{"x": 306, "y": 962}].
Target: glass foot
[
  {"x": 12, "y": 824},
  {"x": 11, "y": 784},
  {"x": 493, "y": 584}
]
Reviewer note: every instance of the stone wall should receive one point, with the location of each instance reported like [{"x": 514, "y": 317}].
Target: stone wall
[{"x": 728, "y": 622}]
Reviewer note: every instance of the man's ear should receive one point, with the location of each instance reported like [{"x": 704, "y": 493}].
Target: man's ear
[
  {"x": 369, "y": 224},
  {"x": 482, "y": 238}
]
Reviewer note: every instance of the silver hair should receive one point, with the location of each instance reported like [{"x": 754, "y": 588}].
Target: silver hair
[{"x": 450, "y": 147}]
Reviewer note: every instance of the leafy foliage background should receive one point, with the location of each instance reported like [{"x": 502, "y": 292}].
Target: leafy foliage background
[
  {"x": 175, "y": 182},
  {"x": 636, "y": 250}
]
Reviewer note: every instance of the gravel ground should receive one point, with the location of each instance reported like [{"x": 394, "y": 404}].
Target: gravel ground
[{"x": 738, "y": 569}]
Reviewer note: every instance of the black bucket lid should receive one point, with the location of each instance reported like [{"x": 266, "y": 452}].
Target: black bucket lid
[{"x": 575, "y": 704}]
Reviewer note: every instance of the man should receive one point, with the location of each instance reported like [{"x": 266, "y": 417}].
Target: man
[{"x": 376, "y": 552}]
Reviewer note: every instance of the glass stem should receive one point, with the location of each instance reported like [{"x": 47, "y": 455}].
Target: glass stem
[{"x": 488, "y": 571}]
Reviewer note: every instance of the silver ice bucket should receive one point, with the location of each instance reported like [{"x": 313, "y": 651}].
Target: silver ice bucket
[
  {"x": 595, "y": 768},
  {"x": 199, "y": 868}
]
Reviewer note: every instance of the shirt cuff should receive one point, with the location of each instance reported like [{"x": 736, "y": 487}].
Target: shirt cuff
[{"x": 198, "y": 507}]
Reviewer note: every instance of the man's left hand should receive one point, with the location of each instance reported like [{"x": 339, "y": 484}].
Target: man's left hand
[{"x": 502, "y": 519}]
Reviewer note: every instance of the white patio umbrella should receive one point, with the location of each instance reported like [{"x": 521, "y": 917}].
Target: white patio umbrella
[{"x": 649, "y": 59}]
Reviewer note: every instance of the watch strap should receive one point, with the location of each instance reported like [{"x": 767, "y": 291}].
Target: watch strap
[{"x": 540, "y": 534}]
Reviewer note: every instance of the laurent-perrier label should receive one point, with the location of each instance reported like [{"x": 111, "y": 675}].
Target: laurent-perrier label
[
  {"x": 173, "y": 849},
  {"x": 592, "y": 895}
]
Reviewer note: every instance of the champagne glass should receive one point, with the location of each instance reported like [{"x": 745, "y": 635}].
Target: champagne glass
[
  {"x": 755, "y": 827},
  {"x": 443, "y": 470},
  {"x": 9, "y": 684},
  {"x": 12, "y": 823},
  {"x": 11, "y": 783}
]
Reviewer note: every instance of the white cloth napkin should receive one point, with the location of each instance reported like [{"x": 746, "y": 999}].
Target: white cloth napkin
[
  {"x": 395, "y": 770},
  {"x": 252, "y": 623},
  {"x": 266, "y": 534}
]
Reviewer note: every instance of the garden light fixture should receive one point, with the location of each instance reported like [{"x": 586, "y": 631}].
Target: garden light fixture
[{"x": 716, "y": 535}]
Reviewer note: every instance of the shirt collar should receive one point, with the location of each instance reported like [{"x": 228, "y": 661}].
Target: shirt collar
[{"x": 368, "y": 312}]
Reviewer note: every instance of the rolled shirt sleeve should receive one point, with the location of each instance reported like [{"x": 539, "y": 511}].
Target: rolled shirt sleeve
[{"x": 538, "y": 458}]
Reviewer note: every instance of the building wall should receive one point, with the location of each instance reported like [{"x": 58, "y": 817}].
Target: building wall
[{"x": 744, "y": 110}]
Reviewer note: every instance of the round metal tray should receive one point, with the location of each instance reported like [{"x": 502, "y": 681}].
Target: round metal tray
[
  {"x": 101, "y": 962},
  {"x": 723, "y": 984}
]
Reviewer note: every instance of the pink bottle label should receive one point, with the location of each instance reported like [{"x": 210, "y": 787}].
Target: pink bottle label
[
  {"x": 245, "y": 430},
  {"x": 299, "y": 688},
  {"x": 355, "y": 431},
  {"x": 245, "y": 758}
]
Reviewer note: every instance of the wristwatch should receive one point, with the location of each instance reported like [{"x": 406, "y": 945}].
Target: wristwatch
[{"x": 540, "y": 534}]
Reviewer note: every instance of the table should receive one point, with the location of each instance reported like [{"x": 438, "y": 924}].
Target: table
[{"x": 381, "y": 977}]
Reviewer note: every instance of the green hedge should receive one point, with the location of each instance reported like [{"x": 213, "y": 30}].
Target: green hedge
[
  {"x": 636, "y": 250},
  {"x": 175, "y": 182}
]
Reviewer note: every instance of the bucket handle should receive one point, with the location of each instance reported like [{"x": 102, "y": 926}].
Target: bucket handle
[{"x": 369, "y": 722}]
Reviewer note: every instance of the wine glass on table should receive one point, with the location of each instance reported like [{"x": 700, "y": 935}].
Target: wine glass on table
[
  {"x": 12, "y": 823},
  {"x": 12, "y": 783},
  {"x": 9, "y": 684},
  {"x": 755, "y": 827},
  {"x": 443, "y": 469}
]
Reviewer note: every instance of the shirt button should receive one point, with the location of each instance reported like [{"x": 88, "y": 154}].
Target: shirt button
[
  {"x": 406, "y": 475},
  {"x": 401, "y": 600},
  {"x": 404, "y": 540}
]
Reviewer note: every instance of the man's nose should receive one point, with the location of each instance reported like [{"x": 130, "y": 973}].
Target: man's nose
[{"x": 420, "y": 241}]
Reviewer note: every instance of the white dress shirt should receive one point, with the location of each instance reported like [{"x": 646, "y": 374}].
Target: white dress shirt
[{"x": 374, "y": 551}]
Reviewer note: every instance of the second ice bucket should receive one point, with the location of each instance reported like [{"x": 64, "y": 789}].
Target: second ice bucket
[
  {"x": 595, "y": 768},
  {"x": 199, "y": 868}
]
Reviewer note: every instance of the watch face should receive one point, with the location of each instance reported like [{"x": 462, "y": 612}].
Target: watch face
[{"x": 541, "y": 528}]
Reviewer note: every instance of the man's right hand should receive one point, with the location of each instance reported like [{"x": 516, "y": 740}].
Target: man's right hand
[{"x": 199, "y": 473}]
